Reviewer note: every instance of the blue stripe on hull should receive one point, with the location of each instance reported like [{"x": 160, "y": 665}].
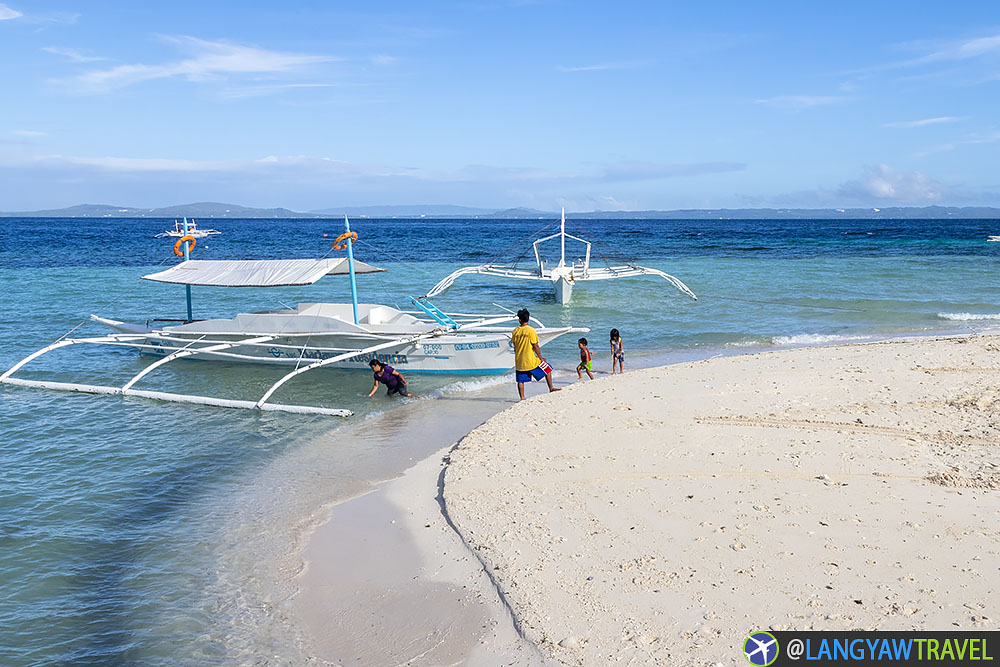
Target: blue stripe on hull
[
  {"x": 470, "y": 371},
  {"x": 484, "y": 371}
]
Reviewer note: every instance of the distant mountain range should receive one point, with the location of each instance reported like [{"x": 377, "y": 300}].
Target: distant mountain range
[
  {"x": 217, "y": 210},
  {"x": 431, "y": 211},
  {"x": 199, "y": 210}
]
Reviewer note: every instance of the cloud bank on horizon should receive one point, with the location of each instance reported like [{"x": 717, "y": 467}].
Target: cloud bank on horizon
[{"x": 511, "y": 104}]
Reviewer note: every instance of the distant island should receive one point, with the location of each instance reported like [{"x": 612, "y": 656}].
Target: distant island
[{"x": 446, "y": 211}]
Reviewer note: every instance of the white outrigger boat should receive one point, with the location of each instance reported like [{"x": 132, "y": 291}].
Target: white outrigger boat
[
  {"x": 308, "y": 337},
  {"x": 186, "y": 229},
  {"x": 563, "y": 277}
]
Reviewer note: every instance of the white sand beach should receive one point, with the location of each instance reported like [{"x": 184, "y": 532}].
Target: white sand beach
[{"x": 657, "y": 517}]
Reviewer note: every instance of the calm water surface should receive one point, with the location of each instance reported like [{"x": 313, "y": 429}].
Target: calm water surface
[{"x": 141, "y": 532}]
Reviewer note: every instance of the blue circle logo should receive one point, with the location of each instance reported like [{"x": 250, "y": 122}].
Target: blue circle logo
[{"x": 760, "y": 648}]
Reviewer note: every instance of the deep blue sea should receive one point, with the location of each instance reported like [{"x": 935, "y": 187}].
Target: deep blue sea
[{"x": 134, "y": 531}]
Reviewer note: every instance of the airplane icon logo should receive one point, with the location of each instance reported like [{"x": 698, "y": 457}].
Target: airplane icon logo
[{"x": 760, "y": 648}]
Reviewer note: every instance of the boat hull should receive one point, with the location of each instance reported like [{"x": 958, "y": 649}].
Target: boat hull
[
  {"x": 472, "y": 353},
  {"x": 564, "y": 290}
]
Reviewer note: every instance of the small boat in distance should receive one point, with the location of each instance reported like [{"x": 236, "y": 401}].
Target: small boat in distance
[
  {"x": 192, "y": 230},
  {"x": 993, "y": 238},
  {"x": 563, "y": 276}
]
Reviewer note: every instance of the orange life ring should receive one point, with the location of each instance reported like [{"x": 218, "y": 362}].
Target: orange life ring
[
  {"x": 337, "y": 245},
  {"x": 177, "y": 246}
]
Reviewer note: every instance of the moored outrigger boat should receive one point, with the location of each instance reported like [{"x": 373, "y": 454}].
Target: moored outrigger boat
[
  {"x": 186, "y": 229},
  {"x": 563, "y": 277},
  {"x": 308, "y": 337}
]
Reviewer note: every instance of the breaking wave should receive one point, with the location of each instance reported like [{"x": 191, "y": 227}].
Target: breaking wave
[
  {"x": 816, "y": 339},
  {"x": 796, "y": 339},
  {"x": 965, "y": 317},
  {"x": 463, "y": 386}
]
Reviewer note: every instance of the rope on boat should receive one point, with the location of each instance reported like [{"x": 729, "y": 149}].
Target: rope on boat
[
  {"x": 393, "y": 257},
  {"x": 523, "y": 243},
  {"x": 105, "y": 306}
]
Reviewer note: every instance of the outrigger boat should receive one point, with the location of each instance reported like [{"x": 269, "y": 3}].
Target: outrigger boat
[
  {"x": 308, "y": 337},
  {"x": 186, "y": 229},
  {"x": 563, "y": 277}
]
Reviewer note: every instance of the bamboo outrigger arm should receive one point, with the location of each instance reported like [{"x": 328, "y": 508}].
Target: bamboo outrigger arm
[
  {"x": 486, "y": 270},
  {"x": 636, "y": 270},
  {"x": 340, "y": 357},
  {"x": 6, "y": 377},
  {"x": 186, "y": 352},
  {"x": 576, "y": 275},
  {"x": 189, "y": 350}
]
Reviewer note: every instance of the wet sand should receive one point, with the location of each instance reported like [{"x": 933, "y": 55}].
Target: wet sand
[
  {"x": 660, "y": 516},
  {"x": 387, "y": 580}
]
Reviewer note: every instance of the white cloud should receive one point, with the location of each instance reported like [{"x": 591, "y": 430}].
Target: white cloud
[
  {"x": 924, "y": 122},
  {"x": 321, "y": 173},
  {"x": 208, "y": 61},
  {"x": 598, "y": 67},
  {"x": 28, "y": 133},
  {"x": 882, "y": 184},
  {"x": 969, "y": 140},
  {"x": 142, "y": 164},
  {"x": 6, "y": 13},
  {"x": 71, "y": 54},
  {"x": 878, "y": 185},
  {"x": 64, "y": 18},
  {"x": 639, "y": 170},
  {"x": 801, "y": 102},
  {"x": 945, "y": 51},
  {"x": 601, "y": 203},
  {"x": 244, "y": 91},
  {"x": 972, "y": 48}
]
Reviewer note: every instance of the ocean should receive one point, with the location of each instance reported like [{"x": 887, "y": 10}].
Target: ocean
[{"x": 135, "y": 531}]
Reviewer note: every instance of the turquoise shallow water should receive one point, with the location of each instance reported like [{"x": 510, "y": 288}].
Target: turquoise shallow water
[{"x": 132, "y": 530}]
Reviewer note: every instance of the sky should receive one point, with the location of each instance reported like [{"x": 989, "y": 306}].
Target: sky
[{"x": 500, "y": 103}]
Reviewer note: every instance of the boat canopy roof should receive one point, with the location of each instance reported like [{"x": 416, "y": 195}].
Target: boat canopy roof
[{"x": 256, "y": 272}]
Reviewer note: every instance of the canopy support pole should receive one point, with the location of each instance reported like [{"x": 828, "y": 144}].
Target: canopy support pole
[
  {"x": 562, "y": 238},
  {"x": 350, "y": 268},
  {"x": 186, "y": 257}
]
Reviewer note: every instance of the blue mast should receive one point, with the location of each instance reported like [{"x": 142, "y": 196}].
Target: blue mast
[
  {"x": 186, "y": 247},
  {"x": 350, "y": 267}
]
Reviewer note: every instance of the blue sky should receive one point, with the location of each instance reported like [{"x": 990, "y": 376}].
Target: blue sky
[{"x": 498, "y": 103}]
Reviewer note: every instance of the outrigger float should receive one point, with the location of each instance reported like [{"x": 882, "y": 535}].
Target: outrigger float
[
  {"x": 563, "y": 276},
  {"x": 308, "y": 337}
]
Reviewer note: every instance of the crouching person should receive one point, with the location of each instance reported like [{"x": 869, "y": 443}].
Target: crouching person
[{"x": 390, "y": 377}]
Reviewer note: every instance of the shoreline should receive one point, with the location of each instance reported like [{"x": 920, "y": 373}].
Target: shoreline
[
  {"x": 405, "y": 514},
  {"x": 837, "y": 487},
  {"x": 386, "y": 580}
]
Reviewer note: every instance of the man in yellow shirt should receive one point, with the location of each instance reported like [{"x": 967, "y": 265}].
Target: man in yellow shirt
[{"x": 529, "y": 364}]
